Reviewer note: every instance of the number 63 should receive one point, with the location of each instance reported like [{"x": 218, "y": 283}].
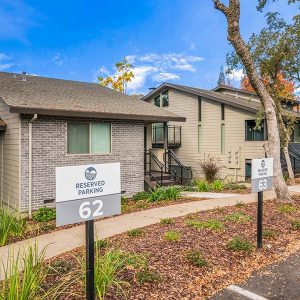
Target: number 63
[{"x": 262, "y": 184}]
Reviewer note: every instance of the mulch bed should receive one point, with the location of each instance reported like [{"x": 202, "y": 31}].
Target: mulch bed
[{"x": 181, "y": 280}]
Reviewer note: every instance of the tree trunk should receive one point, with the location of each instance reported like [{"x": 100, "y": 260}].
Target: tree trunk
[
  {"x": 272, "y": 145},
  {"x": 289, "y": 165}
]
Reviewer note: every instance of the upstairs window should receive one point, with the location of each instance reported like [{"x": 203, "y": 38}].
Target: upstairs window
[
  {"x": 199, "y": 109},
  {"x": 88, "y": 138},
  {"x": 253, "y": 133},
  {"x": 157, "y": 101},
  {"x": 165, "y": 98},
  {"x": 222, "y": 111}
]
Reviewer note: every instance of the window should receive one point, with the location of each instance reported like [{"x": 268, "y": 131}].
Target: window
[
  {"x": 222, "y": 138},
  {"x": 222, "y": 111},
  {"x": 85, "y": 138},
  {"x": 199, "y": 109},
  {"x": 199, "y": 138},
  {"x": 165, "y": 98},
  {"x": 253, "y": 133},
  {"x": 157, "y": 101}
]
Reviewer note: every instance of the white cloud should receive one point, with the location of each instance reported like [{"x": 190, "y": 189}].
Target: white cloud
[
  {"x": 140, "y": 75},
  {"x": 164, "y": 76},
  {"x": 3, "y": 57},
  {"x": 236, "y": 75},
  {"x": 59, "y": 59},
  {"x": 5, "y": 66},
  {"x": 5, "y": 62}
]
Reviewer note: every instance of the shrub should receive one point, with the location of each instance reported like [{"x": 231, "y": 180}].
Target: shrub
[
  {"x": 196, "y": 259},
  {"x": 239, "y": 204},
  {"x": 233, "y": 186},
  {"x": 239, "y": 244},
  {"x": 146, "y": 276},
  {"x": 164, "y": 193},
  {"x": 210, "y": 167},
  {"x": 210, "y": 224},
  {"x": 166, "y": 221},
  {"x": 140, "y": 196},
  {"x": 295, "y": 224},
  {"x": 10, "y": 225},
  {"x": 61, "y": 266},
  {"x": 44, "y": 214},
  {"x": 101, "y": 244},
  {"x": 135, "y": 232},
  {"x": 217, "y": 185},
  {"x": 269, "y": 233},
  {"x": 124, "y": 200},
  {"x": 287, "y": 208},
  {"x": 202, "y": 186},
  {"x": 172, "y": 236},
  {"x": 238, "y": 217}
]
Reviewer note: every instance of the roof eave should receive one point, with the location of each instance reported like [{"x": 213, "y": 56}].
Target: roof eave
[{"x": 98, "y": 115}]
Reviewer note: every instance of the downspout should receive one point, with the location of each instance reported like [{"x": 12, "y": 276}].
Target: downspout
[{"x": 30, "y": 165}]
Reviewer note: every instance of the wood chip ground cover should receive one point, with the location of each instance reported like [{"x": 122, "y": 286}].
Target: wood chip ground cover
[{"x": 178, "y": 279}]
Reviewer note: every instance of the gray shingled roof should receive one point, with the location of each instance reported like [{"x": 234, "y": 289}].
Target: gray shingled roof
[
  {"x": 238, "y": 102},
  {"x": 49, "y": 96}
]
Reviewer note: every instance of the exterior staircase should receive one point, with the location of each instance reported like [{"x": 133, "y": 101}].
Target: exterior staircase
[
  {"x": 166, "y": 173},
  {"x": 294, "y": 152}
]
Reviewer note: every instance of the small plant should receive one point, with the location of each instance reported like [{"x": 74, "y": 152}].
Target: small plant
[
  {"x": 202, "y": 186},
  {"x": 164, "y": 193},
  {"x": 210, "y": 224},
  {"x": 210, "y": 167},
  {"x": 238, "y": 217},
  {"x": 287, "y": 208},
  {"x": 60, "y": 266},
  {"x": 269, "y": 233},
  {"x": 295, "y": 224},
  {"x": 195, "y": 258},
  {"x": 217, "y": 185},
  {"x": 233, "y": 186},
  {"x": 10, "y": 225},
  {"x": 44, "y": 214},
  {"x": 239, "y": 244},
  {"x": 140, "y": 196},
  {"x": 172, "y": 236},
  {"x": 100, "y": 244},
  {"x": 146, "y": 276},
  {"x": 135, "y": 232},
  {"x": 240, "y": 204},
  {"x": 124, "y": 200},
  {"x": 166, "y": 221}
]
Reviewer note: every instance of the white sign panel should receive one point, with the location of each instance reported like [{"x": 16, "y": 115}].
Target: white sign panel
[
  {"x": 87, "y": 181},
  {"x": 87, "y": 192},
  {"x": 262, "y": 167}
]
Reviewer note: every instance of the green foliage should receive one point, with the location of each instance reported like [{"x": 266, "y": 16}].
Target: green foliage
[
  {"x": 61, "y": 266},
  {"x": 124, "y": 200},
  {"x": 233, "y": 186},
  {"x": 140, "y": 196},
  {"x": 164, "y": 193},
  {"x": 195, "y": 258},
  {"x": 217, "y": 185},
  {"x": 240, "y": 204},
  {"x": 146, "y": 276},
  {"x": 239, "y": 244},
  {"x": 10, "y": 225},
  {"x": 26, "y": 284},
  {"x": 295, "y": 224},
  {"x": 238, "y": 217},
  {"x": 209, "y": 224},
  {"x": 166, "y": 221},
  {"x": 287, "y": 208},
  {"x": 101, "y": 244},
  {"x": 210, "y": 167},
  {"x": 135, "y": 232},
  {"x": 202, "y": 185},
  {"x": 44, "y": 214},
  {"x": 269, "y": 233},
  {"x": 172, "y": 236}
]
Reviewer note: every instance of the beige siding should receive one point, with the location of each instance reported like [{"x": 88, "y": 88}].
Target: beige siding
[
  {"x": 186, "y": 105},
  {"x": 11, "y": 158}
]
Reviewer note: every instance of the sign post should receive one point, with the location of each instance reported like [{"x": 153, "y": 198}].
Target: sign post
[
  {"x": 85, "y": 193},
  {"x": 261, "y": 180}
]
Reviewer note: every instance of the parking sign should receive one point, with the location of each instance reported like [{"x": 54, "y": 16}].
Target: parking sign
[{"x": 261, "y": 174}]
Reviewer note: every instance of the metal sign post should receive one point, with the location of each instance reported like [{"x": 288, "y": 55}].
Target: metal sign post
[
  {"x": 85, "y": 193},
  {"x": 261, "y": 180}
]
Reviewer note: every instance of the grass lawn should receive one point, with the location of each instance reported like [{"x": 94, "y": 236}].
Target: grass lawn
[{"x": 190, "y": 257}]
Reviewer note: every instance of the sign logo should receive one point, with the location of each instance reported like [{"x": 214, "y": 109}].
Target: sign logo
[
  {"x": 263, "y": 163},
  {"x": 90, "y": 173}
]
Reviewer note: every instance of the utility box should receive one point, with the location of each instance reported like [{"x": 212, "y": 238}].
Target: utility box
[{"x": 234, "y": 158}]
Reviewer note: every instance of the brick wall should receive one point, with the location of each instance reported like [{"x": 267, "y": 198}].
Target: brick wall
[{"x": 49, "y": 142}]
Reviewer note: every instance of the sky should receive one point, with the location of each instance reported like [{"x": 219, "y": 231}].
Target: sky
[{"x": 178, "y": 41}]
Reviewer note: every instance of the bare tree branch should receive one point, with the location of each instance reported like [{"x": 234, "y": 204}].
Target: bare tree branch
[{"x": 221, "y": 7}]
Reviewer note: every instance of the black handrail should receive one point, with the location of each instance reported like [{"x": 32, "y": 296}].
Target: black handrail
[{"x": 173, "y": 138}]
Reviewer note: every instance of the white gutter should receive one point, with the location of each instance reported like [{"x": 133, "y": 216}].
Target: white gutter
[{"x": 30, "y": 165}]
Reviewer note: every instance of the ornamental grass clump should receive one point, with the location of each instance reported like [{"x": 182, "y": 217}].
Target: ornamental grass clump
[
  {"x": 135, "y": 232},
  {"x": 287, "y": 208},
  {"x": 172, "y": 236},
  {"x": 209, "y": 224},
  {"x": 238, "y": 217},
  {"x": 166, "y": 221},
  {"x": 239, "y": 244},
  {"x": 11, "y": 225},
  {"x": 295, "y": 224},
  {"x": 195, "y": 258},
  {"x": 164, "y": 193}
]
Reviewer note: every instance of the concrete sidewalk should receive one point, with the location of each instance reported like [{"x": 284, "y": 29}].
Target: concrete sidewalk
[{"x": 68, "y": 239}]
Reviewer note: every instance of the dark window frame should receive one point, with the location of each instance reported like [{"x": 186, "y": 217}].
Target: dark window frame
[
  {"x": 255, "y": 140},
  {"x": 222, "y": 111},
  {"x": 155, "y": 100},
  {"x": 165, "y": 104},
  {"x": 199, "y": 109}
]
